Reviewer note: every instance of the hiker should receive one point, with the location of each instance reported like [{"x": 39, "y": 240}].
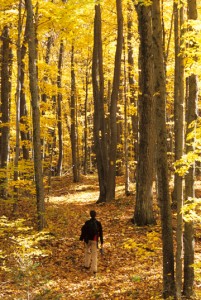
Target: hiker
[{"x": 91, "y": 231}]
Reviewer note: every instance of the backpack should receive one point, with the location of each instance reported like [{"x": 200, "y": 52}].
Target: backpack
[{"x": 89, "y": 231}]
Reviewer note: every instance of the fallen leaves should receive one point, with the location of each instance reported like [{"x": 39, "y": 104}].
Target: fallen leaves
[{"x": 130, "y": 267}]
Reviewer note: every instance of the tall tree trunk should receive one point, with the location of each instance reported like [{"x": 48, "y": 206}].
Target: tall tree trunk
[
  {"x": 179, "y": 139},
  {"x": 24, "y": 133},
  {"x": 162, "y": 168},
  {"x": 113, "y": 106},
  {"x": 143, "y": 214},
  {"x": 131, "y": 79},
  {"x": 178, "y": 99},
  {"x": 191, "y": 115},
  {"x": 73, "y": 133},
  {"x": 86, "y": 147},
  {"x": 18, "y": 90},
  {"x": 33, "y": 81},
  {"x": 59, "y": 113},
  {"x": 126, "y": 141},
  {"x": 5, "y": 106},
  {"x": 99, "y": 118}
]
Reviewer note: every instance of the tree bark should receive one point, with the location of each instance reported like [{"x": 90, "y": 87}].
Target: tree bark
[
  {"x": 179, "y": 140},
  {"x": 25, "y": 138},
  {"x": 59, "y": 113},
  {"x": 191, "y": 115},
  {"x": 126, "y": 131},
  {"x": 33, "y": 81},
  {"x": 162, "y": 168},
  {"x": 86, "y": 147},
  {"x": 143, "y": 214},
  {"x": 73, "y": 133},
  {"x": 131, "y": 80},
  {"x": 18, "y": 90},
  {"x": 99, "y": 117},
  {"x": 178, "y": 101},
  {"x": 188, "y": 289},
  {"x": 111, "y": 183},
  {"x": 5, "y": 106}
]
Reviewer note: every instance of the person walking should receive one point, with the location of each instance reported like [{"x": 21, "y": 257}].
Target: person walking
[{"x": 91, "y": 232}]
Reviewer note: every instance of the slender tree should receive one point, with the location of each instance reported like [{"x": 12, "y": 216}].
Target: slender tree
[
  {"x": 5, "y": 105},
  {"x": 191, "y": 115},
  {"x": 179, "y": 137},
  {"x": 111, "y": 183},
  {"x": 162, "y": 169},
  {"x": 131, "y": 77},
  {"x": 86, "y": 146},
  {"x": 18, "y": 90},
  {"x": 24, "y": 133},
  {"x": 33, "y": 81},
  {"x": 126, "y": 142},
  {"x": 99, "y": 117},
  {"x": 73, "y": 133},
  {"x": 59, "y": 113}
]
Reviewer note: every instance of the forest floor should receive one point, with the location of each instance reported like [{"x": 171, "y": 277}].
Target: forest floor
[{"x": 49, "y": 265}]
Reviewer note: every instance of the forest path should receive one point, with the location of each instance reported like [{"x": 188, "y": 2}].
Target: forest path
[{"x": 130, "y": 267}]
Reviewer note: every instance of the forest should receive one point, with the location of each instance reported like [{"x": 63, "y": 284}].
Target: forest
[{"x": 100, "y": 109}]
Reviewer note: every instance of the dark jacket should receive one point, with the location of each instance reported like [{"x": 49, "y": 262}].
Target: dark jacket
[{"x": 87, "y": 234}]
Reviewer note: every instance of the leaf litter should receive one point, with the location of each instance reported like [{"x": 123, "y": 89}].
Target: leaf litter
[{"x": 129, "y": 268}]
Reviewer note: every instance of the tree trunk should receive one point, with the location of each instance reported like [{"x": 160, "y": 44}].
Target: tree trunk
[
  {"x": 143, "y": 214},
  {"x": 73, "y": 133},
  {"x": 179, "y": 140},
  {"x": 191, "y": 115},
  {"x": 59, "y": 113},
  {"x": 5, "y": 106},
  {"x": 99, "y": 118},
  {"x": 126, "y": 141},
  {"x": 131, "y": 80},
  {"x": 33, "y": 81},
  {"x": 178, "y": 100},
  {"x": 18, "y": 90},
  {"x": 162, "y": 168},
  {"x": 86, "y": 147},
  {"x": 23, "y": 108},
  {"x": 113, "y": 106}
]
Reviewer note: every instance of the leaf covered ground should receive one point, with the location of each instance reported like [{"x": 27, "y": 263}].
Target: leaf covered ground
[{"x": 49, "y": 265}]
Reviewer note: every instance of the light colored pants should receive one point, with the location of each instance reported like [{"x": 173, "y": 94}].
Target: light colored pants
[{"x": 91, "y": 255}]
